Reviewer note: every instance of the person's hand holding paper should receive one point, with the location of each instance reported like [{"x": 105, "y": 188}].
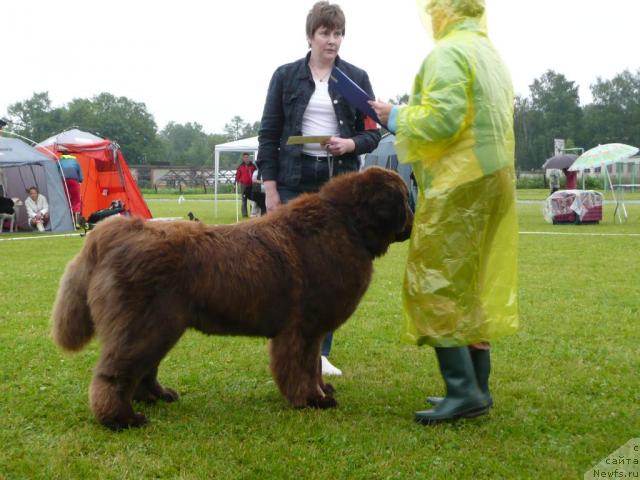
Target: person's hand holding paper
[
  {"x": 335, "y": 146},
  {"x": 338, "y": 146}
]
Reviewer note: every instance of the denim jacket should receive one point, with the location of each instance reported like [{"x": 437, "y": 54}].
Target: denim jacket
[{"x": 289, "y": 92}]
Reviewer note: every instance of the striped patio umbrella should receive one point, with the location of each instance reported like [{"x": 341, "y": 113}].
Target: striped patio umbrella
[{"x": 604, "y": 155}]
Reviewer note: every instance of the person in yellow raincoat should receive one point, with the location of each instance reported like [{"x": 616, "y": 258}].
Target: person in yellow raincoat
[{"x": 460, "y": 285}]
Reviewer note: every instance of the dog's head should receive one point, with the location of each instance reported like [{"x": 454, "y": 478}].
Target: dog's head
[{"x": 376, "y": 202}]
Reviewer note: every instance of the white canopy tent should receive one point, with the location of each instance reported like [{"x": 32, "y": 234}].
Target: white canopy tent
[{"x": 242, "y": 145}]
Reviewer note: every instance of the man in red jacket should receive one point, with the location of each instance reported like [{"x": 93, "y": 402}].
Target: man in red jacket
[{"x": 243, "y": 178}]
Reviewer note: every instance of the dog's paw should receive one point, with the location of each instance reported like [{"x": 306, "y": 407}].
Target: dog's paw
[
  {"x": 328, "y": 389},
  {"x": 143, "y": 395},
  {"x": 322, "y": 402},
  {"x": 169, "y": 395},
  {"x": 136, "y": 420}
]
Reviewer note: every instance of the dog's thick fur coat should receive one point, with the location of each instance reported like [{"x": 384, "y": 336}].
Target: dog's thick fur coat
[{"x": 292, "y": 276}]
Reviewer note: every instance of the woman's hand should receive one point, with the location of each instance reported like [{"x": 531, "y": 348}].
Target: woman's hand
[
  {"x": 382, "y": 109},
  {"x": 337, "y": 146},
  {"x": 272, "y": 198}
]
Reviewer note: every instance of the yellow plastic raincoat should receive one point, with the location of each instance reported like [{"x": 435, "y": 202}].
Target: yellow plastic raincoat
[{"x": 460, "y": 284}]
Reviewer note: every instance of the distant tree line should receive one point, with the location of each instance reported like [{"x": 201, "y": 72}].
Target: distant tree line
[
  {"x": 551, "y": 110},
  {"x": 130, "y": 124}
]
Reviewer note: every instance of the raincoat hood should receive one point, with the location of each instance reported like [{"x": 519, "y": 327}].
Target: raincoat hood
[{"x": 439, "y": 17}]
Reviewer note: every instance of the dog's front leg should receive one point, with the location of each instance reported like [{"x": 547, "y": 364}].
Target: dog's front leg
[
  {"x": 295, "y": 368},
  {"x": 325, "y": 388}
]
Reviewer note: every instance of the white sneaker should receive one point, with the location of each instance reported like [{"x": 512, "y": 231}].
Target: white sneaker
[
  {"x": 328, "y": 368},
  {"x": 40, "y": 227}
]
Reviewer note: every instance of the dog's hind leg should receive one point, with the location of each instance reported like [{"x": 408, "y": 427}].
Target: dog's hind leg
[
  {"x": 125, "y": 362},
  {"x": 294, "y": 365},
  {"x": 111, "y": 392},
  {"x": 149, "y": 390}
]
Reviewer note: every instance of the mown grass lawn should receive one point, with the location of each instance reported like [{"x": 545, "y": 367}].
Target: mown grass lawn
[{"x": 566, "y": 387}]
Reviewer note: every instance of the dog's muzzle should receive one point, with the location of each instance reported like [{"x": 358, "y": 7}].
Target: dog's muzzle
[{"x": 405, "y": 233}]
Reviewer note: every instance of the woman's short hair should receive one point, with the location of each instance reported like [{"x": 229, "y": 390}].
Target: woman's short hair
[
  {"x": 325, "y": 14},
  {"x": 33, "y": 188}
]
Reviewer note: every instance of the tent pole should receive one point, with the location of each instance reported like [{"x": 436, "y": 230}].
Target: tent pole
[
  {"x": 66, "y": 191},
  {"x": 216, "y": 165},
  {"x": 237, "y": 207}
]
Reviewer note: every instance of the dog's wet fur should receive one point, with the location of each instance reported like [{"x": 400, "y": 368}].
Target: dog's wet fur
[{"x": 292, "y": 276}]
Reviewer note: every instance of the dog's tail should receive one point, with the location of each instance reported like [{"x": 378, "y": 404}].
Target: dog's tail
[{"x": 71, "y": 321}]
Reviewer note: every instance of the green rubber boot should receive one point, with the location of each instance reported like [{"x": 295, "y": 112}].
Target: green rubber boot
[
  {"x": 482, "y": 365},
  {"x": 463, "y": 398}
]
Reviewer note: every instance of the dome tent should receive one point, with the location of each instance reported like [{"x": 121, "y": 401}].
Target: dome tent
[
  {"x": 22, "y": 167},
  {"x": 107, "y": 177}
]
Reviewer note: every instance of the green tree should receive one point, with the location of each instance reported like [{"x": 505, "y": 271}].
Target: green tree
[
  {"x": 552, "y": 111},
  {"x": 614, "y": 114},
  {"x": 251, "y": 130},
  {"x": 185, "y": 144},
  {"x": 235, "y": 128},
  {"x": 35, "y": 118},
  {"x": 120, "y": 119},
  {"x": 558, "y": 100},
  {"x": 531, "y": 143}
]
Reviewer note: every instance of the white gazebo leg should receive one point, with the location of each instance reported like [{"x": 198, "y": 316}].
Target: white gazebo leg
[
  {"x": 237, "y": 206},
  {"x": 216, "y": 166}
]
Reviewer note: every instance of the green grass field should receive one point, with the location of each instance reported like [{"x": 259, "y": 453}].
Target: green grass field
[{"x": 566, "y": 387}]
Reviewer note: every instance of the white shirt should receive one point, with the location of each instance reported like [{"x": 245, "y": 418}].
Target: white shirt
[
  {"x": 39, "y": 206},
  {"x": 319, "y": 119},
  {"x": 255, "y": 181}
]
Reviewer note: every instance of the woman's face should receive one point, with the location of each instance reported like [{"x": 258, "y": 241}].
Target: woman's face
[
  {"x": 325, "y": 43},
  {"x": 33, "y": 193}
]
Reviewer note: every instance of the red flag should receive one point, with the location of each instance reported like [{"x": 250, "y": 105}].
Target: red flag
[{"x": 370, "y": 123}]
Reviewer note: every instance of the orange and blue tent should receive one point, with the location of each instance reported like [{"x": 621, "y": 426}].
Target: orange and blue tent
[{"x": 107, "y": 177}]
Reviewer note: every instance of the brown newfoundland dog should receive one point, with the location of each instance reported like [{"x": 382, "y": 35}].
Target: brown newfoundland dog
[{"x": 292, "y": 276}]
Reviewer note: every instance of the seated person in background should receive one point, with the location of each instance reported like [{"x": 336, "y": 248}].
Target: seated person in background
[
  {"x": 37, "y": 209},
  {"x": 6, "y": 205}
]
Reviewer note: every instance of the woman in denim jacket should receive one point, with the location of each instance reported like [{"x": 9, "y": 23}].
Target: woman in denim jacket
[{"x": 300, "y": 101}]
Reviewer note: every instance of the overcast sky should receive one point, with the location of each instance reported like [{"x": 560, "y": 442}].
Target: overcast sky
[{"x": 206, "y": 61}]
